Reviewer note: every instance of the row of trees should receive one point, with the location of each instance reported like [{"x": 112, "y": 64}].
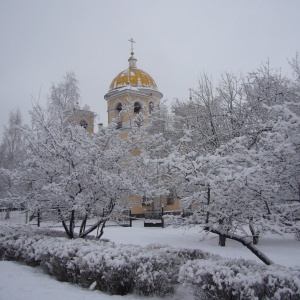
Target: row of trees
[
  {"x": 61, "y": 171},
  {"x": 231, "y": 153}
]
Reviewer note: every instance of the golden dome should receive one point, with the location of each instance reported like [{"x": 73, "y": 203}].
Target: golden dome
[{"x": 133, "y": 77}]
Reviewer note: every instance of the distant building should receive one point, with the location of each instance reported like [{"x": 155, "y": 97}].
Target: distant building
[{"x": 83, "y": 117}]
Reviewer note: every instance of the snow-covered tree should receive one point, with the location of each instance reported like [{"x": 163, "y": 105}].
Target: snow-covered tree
[
  {"x": 12, "y": 153},
  {"x": 12, "y": 141},
  {"x": 149, "y": 140},
  {"x": 246, "y": 176},
  {"x": 65, "y": 95},
  {"x": 70, "y": 173},
  {"x": 212, "y": 116}
]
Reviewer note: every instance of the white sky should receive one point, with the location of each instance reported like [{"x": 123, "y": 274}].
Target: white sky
[{"x": 176, "y": 40}]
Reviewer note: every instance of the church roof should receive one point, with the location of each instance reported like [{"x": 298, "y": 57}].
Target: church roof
[{"x": 133, "y": 76}]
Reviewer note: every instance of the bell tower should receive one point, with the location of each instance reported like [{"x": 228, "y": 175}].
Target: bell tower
[
  {"x": 132, "y": 95},
  {"x": 133, "y": 89}
]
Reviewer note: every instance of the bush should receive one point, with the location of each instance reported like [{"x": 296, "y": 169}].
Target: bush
[
  {"x": 239, "y": 279},
  {"x": 155, "y": 269},
  {"x": 116, "y": 269}
]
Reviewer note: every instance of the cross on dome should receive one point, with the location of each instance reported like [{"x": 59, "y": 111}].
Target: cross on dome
[
  {"x": 132, "y": 60},
  {"x": 132, "y": 76},
  {"x": 131, "y": 41}
]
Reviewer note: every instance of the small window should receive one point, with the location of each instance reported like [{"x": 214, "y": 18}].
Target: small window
[
  {"x": 151, "y": 107},
  {"x": 146, "y": 201},
  {"x": 119, "y": 107},
  {"x": 83, "y": 123},
  {"x": 137, "y": 107},
  {"x": 170, "y": 198},
  {"x": 119, "y": 116}
]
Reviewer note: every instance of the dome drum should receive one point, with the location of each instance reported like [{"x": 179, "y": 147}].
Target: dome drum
[{"x": 136, "y": 92}]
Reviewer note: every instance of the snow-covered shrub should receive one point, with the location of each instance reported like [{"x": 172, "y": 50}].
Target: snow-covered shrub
[
  {"x": 56, "y": 256},
  {"x": 127, "y": 268},
  {"x": 282, "y": 283},
  {"x": 16, "y": 246},
  {"x": 116, "y": 269},
  {"x": 155, "y": 269},
  {"x": 111, "y": 267},
  {"x": 157, "y": 273},
  {"x": 239, "y": 279}
]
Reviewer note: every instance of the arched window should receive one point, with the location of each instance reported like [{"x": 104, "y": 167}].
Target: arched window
[
  {"x": 118, "y": 112},
  {"x": 151, "y": 107},
  {"x": 137, "y": 107},
  {"x": 146, "y": 201},
  {"x": 83, "y": 123},
  {"x": 119, "y": 107},
  {"x": 171, "y": 197}
]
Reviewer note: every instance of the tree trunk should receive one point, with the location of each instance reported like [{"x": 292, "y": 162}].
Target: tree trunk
[
  {"x": 208, "y": 203},
  {"x": 108, "y": 211},
  {"x": 93, "y": 227},
  {"x": 246, "y": 242},
  {"x": 83, "y": 224},
  {"x": 7, "y": 213},
  {"x": 222, "y": 237},
  {"x": 38, "y": 218},
  {"x": 71, "y": 227},
  {"x": 222, "y": 240},
  {"x": 64, "y": 223},
  {"x": 101, "y": 226},
  {"x": 255, "y": 234}
]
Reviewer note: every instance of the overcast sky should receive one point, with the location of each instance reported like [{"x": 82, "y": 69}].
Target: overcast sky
[{"x": 41, "y": 40}]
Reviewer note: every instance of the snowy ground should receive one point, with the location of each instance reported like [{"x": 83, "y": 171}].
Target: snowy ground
[
  {"x": 21, "y": 282},
  {"x": 284, "y": 250}
]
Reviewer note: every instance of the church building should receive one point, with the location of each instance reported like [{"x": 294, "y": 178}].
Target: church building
[
  {"x": 135, "y": 88},
  {"x": 132, "y": 87}
]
